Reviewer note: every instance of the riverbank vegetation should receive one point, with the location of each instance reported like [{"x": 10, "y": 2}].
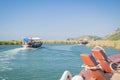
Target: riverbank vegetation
[
  {"x": 105, "y": 43},
  {"x": 60, "y": 41},
  {"x": 102, "y": 43},
  {"x": 111, "y": 40},
  {"x": 114, "y": 36},
  {"x": 10, "y": 42},
  {"x": 16, "y": 42}
]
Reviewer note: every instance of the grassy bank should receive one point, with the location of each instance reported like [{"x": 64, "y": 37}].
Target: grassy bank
[
  {"x": 102, "y": 43},
  {"x": 60, "y": 41},
  {"x": 10, "y": 42},
  {"x": 16, "y": 42},
  {"x": 113, "y": 44}
]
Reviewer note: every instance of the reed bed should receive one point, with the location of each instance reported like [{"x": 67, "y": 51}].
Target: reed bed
[
  {"x": 60, "y": 41},
  {"x": 18, "y": 42},
  {"x": 102, "y": 43},
  {"x": 10, "y": 42},
  {"x": 113, "y": 44}
]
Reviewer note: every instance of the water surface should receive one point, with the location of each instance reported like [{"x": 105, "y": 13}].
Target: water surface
[{"x": 46, "y": 63}]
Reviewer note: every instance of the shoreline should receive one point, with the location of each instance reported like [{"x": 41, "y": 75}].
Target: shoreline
[{"x": 102, "y": 43}]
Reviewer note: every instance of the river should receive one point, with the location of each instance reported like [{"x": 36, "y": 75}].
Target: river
[{"x": 45, "y": 63}]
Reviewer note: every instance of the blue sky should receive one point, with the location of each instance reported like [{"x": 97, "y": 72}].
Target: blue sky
[{"x": 58, "y": 19}]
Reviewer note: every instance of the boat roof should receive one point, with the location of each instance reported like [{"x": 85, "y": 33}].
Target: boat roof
[{"x": 34, "y": 38}]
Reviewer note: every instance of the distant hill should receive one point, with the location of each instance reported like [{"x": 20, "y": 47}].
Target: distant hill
[
  {"x": 113, "y": 36},
  {"x": 86, "y": 38}
]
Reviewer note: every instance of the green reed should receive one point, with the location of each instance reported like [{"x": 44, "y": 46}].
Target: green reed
[{"x": 113, "y": 44}]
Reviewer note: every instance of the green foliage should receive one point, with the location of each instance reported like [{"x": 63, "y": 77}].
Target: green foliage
[
  {"x": 115, "y": 36},
  {"x": 88, "y": 37},
  {"x": 19, "y": 42},
  {"x": 103, "y": 43},
  {"x": 10, "y": 42},
  {"x": 95, "y": 37}
]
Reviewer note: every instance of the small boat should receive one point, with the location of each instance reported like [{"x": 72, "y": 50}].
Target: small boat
[
  {"x": 31, "y": 42},
  {"x": 83, "y": 42},
  {"x": 97, "y": 66}
]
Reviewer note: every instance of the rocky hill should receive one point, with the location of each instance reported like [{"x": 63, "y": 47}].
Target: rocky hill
[{"x": 113, "y": 36}]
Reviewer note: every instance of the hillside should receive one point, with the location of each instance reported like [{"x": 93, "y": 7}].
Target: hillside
[
  {"x": 86, "y": 37},
  {"x": 113, "y": 36}
]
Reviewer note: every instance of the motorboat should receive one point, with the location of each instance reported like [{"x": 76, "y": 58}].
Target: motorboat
[{"x": 31, "y": 42}]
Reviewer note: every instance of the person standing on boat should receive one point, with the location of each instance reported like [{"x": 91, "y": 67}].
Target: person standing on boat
[{"x": 31, "y": 40}]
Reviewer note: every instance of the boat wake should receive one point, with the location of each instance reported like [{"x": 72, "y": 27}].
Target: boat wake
[
  {"x": 14, "y": 50},
  {"x": 6, "y": 56}
]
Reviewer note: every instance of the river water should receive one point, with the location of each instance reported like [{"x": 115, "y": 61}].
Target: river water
[{"x": 45, "y": 63}]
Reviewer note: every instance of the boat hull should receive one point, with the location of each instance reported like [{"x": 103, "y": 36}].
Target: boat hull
[
  {"x": 36, "y": 45},
  {"x": 33, "y": 45}
]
